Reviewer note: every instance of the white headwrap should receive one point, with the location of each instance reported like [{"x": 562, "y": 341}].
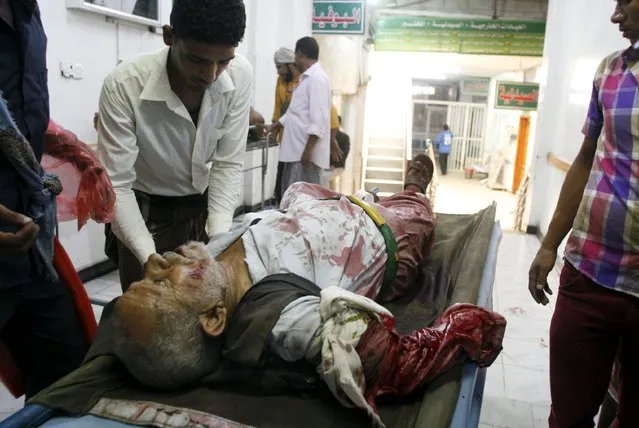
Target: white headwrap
[{"x": 284, "y": 56}]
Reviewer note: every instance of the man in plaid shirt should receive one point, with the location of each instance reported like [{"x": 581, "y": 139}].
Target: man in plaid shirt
[{"x": 597, "y": 310}]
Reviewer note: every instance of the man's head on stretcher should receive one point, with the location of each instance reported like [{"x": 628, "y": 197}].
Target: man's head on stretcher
[
  {"x": 169, "y": 322},
  {"x": 170, "y": 328}
]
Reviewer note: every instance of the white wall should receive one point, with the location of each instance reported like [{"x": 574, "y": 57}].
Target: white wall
[
  {"x": 388, "y": 100},
  {"x": 342, "y": 57},
  {"x": 97, "y": 44},
  {"x": 272, "y": 24},
  {"x": 570, "y": 61},
  {"x": 87, "y": 39},
  {"x": 534, "y": 75},
  {"x": 499, "y": 122},
  {"x": 354, "y": 115}
]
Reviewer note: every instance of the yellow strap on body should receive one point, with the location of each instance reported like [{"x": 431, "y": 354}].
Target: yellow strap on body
[
  {"x": 371, "y": 211},
  {"x": 392, "y": 259}
]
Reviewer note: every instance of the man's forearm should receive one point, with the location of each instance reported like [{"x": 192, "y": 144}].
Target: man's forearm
[
  {"x": 312, "y": 141},
  {"x": 570, "y": 197},
  {"x": 224, "y": 184},
  {"x": 130, "y": 228}
]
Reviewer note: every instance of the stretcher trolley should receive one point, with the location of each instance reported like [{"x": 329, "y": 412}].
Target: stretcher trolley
[{"x": 461, "y": 269}]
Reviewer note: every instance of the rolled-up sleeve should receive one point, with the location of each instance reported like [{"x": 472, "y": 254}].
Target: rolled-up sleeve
[
  {"x": 319, "y": 91},
  {"x": 282, "y": 120},
  {"x": 118, "y": 151},
  {"x": 594, "y": 120},
  {"x": 227, "y": 162}
]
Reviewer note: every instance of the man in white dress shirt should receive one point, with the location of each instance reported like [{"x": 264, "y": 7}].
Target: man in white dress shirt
[
  {"x": 305, "y": 148},
  {"x": 172, "y": 132}
]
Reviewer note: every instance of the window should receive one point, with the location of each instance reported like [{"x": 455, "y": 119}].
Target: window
[{"x": 146, "y": 12}]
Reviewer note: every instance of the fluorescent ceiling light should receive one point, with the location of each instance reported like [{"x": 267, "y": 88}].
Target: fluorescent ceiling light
[{"x": 423, "y": 90}]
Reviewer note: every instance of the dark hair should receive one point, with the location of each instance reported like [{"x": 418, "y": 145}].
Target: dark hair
[
  {"x": 446, "y": 128},
  {"x": 220, "y": 22},
  {"x": 31, "y": 5},
  {"x": 308, "y": 47}
]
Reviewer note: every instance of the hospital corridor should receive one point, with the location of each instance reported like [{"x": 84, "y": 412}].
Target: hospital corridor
[{"x": 319, "y": 213}]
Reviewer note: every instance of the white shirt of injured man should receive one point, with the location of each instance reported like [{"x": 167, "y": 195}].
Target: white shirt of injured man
[
  {"x": 308, "y": 114},
  {"x": 349, "y": 253},
  {"x": 147, "y": 140}
]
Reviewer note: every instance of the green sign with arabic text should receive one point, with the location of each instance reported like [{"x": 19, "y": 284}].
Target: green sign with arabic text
[
  {"x": 465, "y": 36},
  {"x": 339, "y": 17},
  {"x": 517, "y": 96}
]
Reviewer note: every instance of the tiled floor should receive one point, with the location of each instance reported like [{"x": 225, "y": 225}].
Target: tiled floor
[
  {"x": 517, "y": 390},
  {"x": 517, "y": 393},
  {"x": 457, "y": 195}
]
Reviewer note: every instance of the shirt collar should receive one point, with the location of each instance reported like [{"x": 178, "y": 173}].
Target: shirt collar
[
  {"x": 630, "y": 55},
  {"x": 311, "y": 70},
  {"x": 158, "y": 87},
  {"x": 630, "y": 60}
]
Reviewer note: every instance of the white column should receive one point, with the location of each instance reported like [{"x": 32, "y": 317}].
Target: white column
[{"x": 570, "y": 61}]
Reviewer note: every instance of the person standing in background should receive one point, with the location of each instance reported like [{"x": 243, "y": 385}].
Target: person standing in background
[
  {"x": 444, "y": 143},
  {"x": 337, "y": 164},
  {"x": 344, "y": 144},
  {"x": 287, "y": 81},
  {"x": 306, "y": 145},
  {"x": 596, "y": 315},
  {"x": 172, "y": 134},
  {"x": 38, "y": 321}
]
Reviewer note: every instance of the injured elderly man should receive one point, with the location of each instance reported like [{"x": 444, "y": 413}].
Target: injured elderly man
[{"x": 294, "y": 294}]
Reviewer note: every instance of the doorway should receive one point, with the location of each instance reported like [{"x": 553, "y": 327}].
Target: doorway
[
  {"x": 467, "y": 121},
  {"x": 428, "y": 121}
]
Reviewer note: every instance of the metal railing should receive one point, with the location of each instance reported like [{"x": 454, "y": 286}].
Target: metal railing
[
  {"x": 558, "y": 162},
  {"x": 431, "y": 193}
]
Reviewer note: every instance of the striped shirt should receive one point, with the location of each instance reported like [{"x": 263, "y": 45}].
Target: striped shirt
[{"x": 604, "y": 244}]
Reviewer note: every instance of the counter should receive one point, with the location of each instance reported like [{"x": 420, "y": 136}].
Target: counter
[{"x": 257, "y": 154}]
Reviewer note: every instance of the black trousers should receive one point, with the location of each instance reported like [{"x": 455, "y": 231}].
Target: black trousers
[
  {"x": 278, "y": 182},
  {"x": 41, "y": 328},
  {"x": 443, "y": 163}
]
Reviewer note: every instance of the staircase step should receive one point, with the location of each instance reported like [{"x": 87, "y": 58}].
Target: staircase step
[
  {"x": 386, "y": 147},
  {"x": 381, "y": 169},
  {"x": 393, "y": 158},
  {"x": 374, "y": 180}
]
